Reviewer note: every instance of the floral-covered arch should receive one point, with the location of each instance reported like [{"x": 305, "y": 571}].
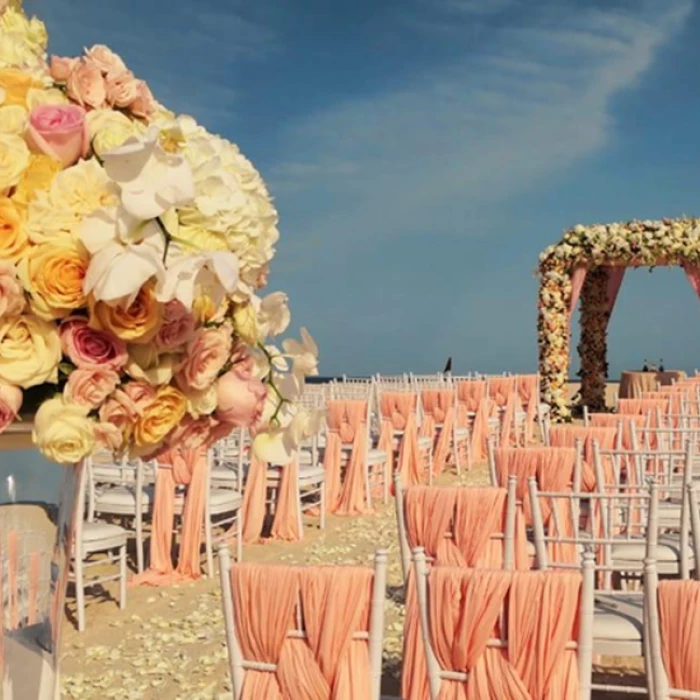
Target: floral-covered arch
[{"x": 589, "y": 262}]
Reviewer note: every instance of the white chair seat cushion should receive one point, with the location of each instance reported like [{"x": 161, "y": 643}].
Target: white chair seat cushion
[
  {"x": 462, "y": 433},
  {"x": 308, "y": 474},
  {"x": 224, "y": 499},
  {"x": 618, "y": 618},
  {"x": 425, "y": 443},
  {"x": 668, "y": 550},
  {"x": 121, "y": 497},
  {"x": 99, "y": 531},
  {"x": 224, "y": 474},
  {"x": 376, "y": 456}
]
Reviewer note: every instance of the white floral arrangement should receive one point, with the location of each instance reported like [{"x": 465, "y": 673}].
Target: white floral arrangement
[
  {"x": 133, "y": 245},
  {"x": 631, "y": 244}
]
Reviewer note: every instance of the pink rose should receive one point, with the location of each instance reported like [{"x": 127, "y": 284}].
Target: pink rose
[
  {"x": 144, "y": 105},
  {"x": 88, "y": 348},
  {"x": 90, "y": 387},
  {"x": 240, "y": 399},
  {"x": 104, "y": 58},
  {"x": 177, "y": 328},
  {"x": 122, "y": 88},
  {"x": 140, "y": 393},
  {"x": 10, "y": 403},
  {"x": 86, "y": 86},
  {"x": 11, "y": 293},
  {"x": 119, "y": 410},
  {"x": 61, "y": 67},
  {"x": 59, "y": 131},
  {"x": 108, "y": 436},
  {"x": 207, "y": 353}
]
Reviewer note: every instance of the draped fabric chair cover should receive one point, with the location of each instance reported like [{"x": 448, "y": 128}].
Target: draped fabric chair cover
[
  {"x": 501, "y": 388},
  {"x": 612, "y": 420},
  {"x": 347, "y": 426},
  {"x": 508, "y": 421},
  {"x": 253, "y": 509},
  {"x": 567, "y": 435},
  {"x": 466, "y": 609},
  {"x": 439, "y": 405},
  {"x": 398, "y": 409},
  {"x": 528, "y": 392},
  {"x": 679, "y": 622},
  {"x": 429, "y": 404},
  {"x": 178, "y": 467},
  {"x": 333, "y": 603},
  {"x": 286, "y": 523},
  {"x": 644, "y": 407},
  {"x": 472, "y": 398},
  {"x": 473, "y": 516},
  {"x": 553, "y": 468}
]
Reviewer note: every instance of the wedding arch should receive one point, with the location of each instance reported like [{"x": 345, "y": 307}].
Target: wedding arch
[{"x": 590, "y": 262}]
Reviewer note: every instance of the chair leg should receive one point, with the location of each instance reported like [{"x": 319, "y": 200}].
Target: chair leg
[
  {"x": 122, "y": 577},
  {"x": 139, "y": 545},
  {"x": 368, "y": 486},
  {"x": 387, "y": 477},
  {"x": 208, "y": 545},
  {"x": 79, "y": 594}
]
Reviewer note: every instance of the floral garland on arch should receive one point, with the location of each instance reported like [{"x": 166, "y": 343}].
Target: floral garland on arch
[
  {"x": 132, "y": 247},
  {"x": 597, "y": 249}
]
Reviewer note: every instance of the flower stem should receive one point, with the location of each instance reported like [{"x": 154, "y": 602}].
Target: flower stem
[{"x": 166, "y": 235}]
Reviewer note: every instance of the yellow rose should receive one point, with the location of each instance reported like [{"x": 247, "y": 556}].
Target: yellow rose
[
  {"x": 30, "y": 351},
  {"x": 53, "y": 273},
  {"x": 16, "y": 84},
  {"x": 36, "y": 33},
  {"x": 147, "y": 364},
  {"x": 138, "y": 323},
  {"x": 62, "y": 431},
  {"x": 13, "y": 119},
  {"x": 15, "y": 50},
  {"x": 50, "y": 96},
  {"x": 109, "y": 129},
  {"x": 246, "y": 322},
  {"x": 198, "y": 238},
  {"x": 13, "y": 239},
  {"x": 37, "y": 177},
  {"x": 203, "y": 308},
  {"x": 14, "y": 159},
  {"x": 165, "y": 412}
]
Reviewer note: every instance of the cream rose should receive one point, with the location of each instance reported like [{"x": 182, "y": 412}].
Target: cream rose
[
  {"x": 12, "y": 300},
  {"x": 109, "y": 129},
  {"x": 13, "y": 119},
  {"x": 30, "y": 350},
  {"x": 62, "y": 431},
  {"x": 14, "y": 159}
]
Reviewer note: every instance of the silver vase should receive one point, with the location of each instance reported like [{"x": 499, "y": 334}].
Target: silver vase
[{"x": 38, "y": 504}]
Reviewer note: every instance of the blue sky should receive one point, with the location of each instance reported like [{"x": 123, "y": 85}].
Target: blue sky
[{"x": 423, "y": 152}]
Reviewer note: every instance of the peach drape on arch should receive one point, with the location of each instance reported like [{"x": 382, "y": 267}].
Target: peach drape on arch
[
  {"x": 398, "y": 409},
  {"x": 439, "y": 407},
  {"x": 334, "y": 604},
  {"x": 347, "y": 426},
  {"x": 466, "y": 608},
  {"x": 177, "y": 467},
  {"x": 679, "y": 620},
  {"x": 553, "y": 468},
  {"x": 472, "y": 398}
]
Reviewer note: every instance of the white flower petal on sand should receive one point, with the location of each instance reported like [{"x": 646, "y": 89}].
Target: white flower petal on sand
[
  {"x": 151, "y": 180},
  {"x": 117, "y": 272},
  {"x": 216, "y": 272},
  {"x": 304, "y": 355}
]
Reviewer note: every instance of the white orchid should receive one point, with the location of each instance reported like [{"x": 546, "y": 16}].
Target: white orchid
[
  {"x": 274, "y": 315},
  {"x": 151, "y": 180},
  {"x": 214, "y": 272},
  {"x": 304, "y": 354}
]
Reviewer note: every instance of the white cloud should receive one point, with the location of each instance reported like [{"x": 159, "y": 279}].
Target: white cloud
[{"x": 455, "y": 140}]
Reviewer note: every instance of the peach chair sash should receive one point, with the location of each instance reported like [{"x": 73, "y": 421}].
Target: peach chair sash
[
  {"x": 465, "y": 610},
  {"x": 177, "y": 467},
  {"x": 399, "y": 407},
  {"x": 469, "y": 397},
  {"x": 501, "y": 388},
  {"x": 480, "y": 430},
  {"x": 508, "y": 420},
  {"x": 679, "y": 620},
  {"x": 472, "y": 516},
  {"x": 333, "y": 605},
  {"x": 567, "y": 435},
  {"x": 286, "y": 524},
  {"x": 347, "y": 424},
  {"x": 612, "y": 420},
  {"x": 528, "y": 391},
  {"x": 640, "y": 407},
  {"x": 438, "y": 405}
]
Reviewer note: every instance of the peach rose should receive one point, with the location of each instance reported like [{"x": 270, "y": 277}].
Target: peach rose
[
  {"x": 207, "y": 353},
  {"x": 240, "y": 399},
  {"x": 138, "y": 323},
  {"x": 108, "y": 437},
  {"x": 90, "y": 348},
  {"x": 144, "y": 105},
  {"x": 59, "y": 131},
  {"x": 90, "y": 387},
  {"x": 86, "y": 86},
  {"x": 122, "y": 88},
  {"x": 140, "y": 393},
  {"x": 10, "y": 403},
  {"x": 11, "y": 293},
  {"x": 120, "y": 411},
  {"x": 193, "y": 433},
  {"x": 62, "y": 67},
  {"x": 104, "y": 58},
  {"x": 177, "y": 328}
]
